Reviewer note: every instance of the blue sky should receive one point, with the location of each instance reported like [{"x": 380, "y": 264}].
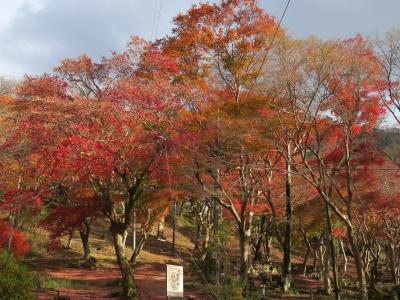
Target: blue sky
[{"x": 36, "y": 34}]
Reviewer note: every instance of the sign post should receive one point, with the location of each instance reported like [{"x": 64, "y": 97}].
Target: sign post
[{"x": 174, "y": 281}]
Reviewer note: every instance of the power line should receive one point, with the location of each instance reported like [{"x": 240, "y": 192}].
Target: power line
[
  {"x": 154, "y": 20},
  {"x": 158, "y": 19},
  {"x": 269, "y": 47}
]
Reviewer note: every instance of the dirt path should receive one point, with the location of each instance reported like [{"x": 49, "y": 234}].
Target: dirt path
[
  {"x": 92, "y": 293},
  {"x": 102, "y": 282},
  {"x": 150, "y": 273},
  {"x": 92, "y": 283},
  {"x": 151, "y": 285}
]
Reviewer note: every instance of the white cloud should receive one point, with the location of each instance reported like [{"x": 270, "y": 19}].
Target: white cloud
[
  {"x": 36, "y": 34},
  {"x": 9, "y": 9}
]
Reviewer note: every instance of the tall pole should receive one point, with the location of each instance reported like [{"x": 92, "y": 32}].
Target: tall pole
[
  {"x": 12, "y": 221},
  {"x": 173, "y": 227},
  {"x": 134, "y": 232}
]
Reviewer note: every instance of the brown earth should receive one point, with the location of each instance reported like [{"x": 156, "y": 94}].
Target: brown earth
[{"x": 102, "y": 282}]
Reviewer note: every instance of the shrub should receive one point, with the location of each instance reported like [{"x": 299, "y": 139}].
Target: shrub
[
  {"x": 15, "y": 281},
  {"x": 233, "y": 291},
  {"x": 19, "y": 246},
  {"x": 206, "y": 268}
]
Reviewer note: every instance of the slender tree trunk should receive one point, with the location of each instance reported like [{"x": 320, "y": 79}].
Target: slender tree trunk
[
  {"x": 205, "y": 242},
  {"x": 261, "y": 240},
  {"x": 375, "y": 268},
  {"x": 197, "y": 238},
  {"x": 308, "y": 251},
  {"x": 173, "y": 229},
  {"x": 12, "y": 224},
  {"x": 393, "y": 263},
  {"x": 244, "y": 243},
  {"x": 344, "y": 258},
  {"x": 216, "y": 218},
  {"x": 268, "y": 243},
  {"x": 84, "y": 234},
  {"x": 128, "y": 285},
  {"x": 314, "y": 266},
  {"x": 288, "y": 231},
  {"x": 139, "y": 247},
  {"x": 305, "y": 260},
  {"x": 124, "y": 239},
  {"x": 181, "y": 206},
  {"x": 331, "y": 246},
  {"x": 134, "y": 231},
  {"x": 362, "y": 283},
  {"x": 70, "y": 237},
  {"x": 258, "y": 249},
  {"x": 325, "y": 267},
  {"x": 160, "y": 229}
]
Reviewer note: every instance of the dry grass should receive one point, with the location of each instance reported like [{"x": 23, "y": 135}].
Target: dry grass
[{"x": 38, "y": 239}]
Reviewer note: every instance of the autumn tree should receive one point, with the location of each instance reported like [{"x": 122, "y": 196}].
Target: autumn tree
[
  {"x": 388, "y": 52},
  {"x": 70, "y": 213},
  {"x": 7, "y": 85},
  {"x": 335, "y": 110},
  {"x": 105, "y": 139},
  {"x": 219, "y": 47}
]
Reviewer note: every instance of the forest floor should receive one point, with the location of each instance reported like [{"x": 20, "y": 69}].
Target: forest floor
[{"x": 62, "y": 273}]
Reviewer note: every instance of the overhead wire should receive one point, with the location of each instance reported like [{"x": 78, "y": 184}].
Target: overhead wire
[
  {"x": 158, "y": 19},
  {"x": 154, "y": 20},
  {"x": 269, "y": 47}
]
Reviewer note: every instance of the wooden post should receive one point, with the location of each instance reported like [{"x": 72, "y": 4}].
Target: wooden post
[
  {"x": 134, "y": 231},
  {"x": 173, "y": 228}
]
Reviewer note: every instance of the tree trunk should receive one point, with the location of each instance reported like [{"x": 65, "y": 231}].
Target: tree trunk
[
  {"x": 206, "y": 241},
  {"x": 258, "y": 249},
  {"x": 309, "y": 249},
  {"x": 173, "y": 228},
  {"x": 268, "y": 244},
  {"x": 197, "y": 238},
  {"x": 325, "y": 267},
  {"x": 244, "y": 243},
  {"x": 139, "y": 247},
  {"x": 124, "y": 239},
  {"x": 70, "y": 237},
  {"x": 12, "y": 224},
  {"x": 331, "y": 246},
  {"x": 119, "y": 234},
  {"x": 343, "y": 272},
  {"x": 288, "y": 231},
  {"x": 374, "y": 269},
  {"x": 393, "y": 263},
  {"x": 84, "y": 233},
  {"x": 305, "y": 260},
  {"x": 134, "y": 231},
  {"x": 181, "y": 206},
  {"x": 261, "y": 239},
  {"x": 362, "y": 283},
  {"x": 85, "y": 244},
  {"x": 160, "y": 229},
  {"x": 314, "y": 265}
]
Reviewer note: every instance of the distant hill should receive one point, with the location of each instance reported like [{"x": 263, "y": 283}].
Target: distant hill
[{"x": 388, "y": 137}]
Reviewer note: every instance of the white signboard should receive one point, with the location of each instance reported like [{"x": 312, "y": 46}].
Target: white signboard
[{"x": 174, "y": 281}]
